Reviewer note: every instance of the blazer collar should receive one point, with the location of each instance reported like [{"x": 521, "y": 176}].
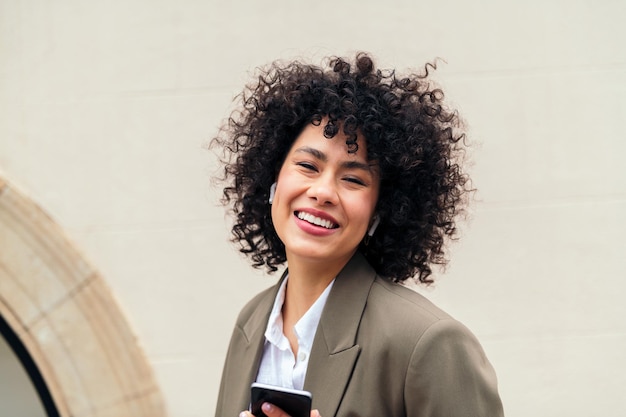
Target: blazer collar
[
  {"x": 254, "y": 328},
  {"x": 342, "y": 313},
  {"x": 250, "y": 347},
  {"x": 335, "y": 352}
]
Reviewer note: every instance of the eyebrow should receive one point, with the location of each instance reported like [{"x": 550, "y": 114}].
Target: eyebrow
[{"x": 322, "y": 157}]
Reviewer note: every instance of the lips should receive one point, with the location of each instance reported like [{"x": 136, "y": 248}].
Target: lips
[{"x": 315, "y": 220}]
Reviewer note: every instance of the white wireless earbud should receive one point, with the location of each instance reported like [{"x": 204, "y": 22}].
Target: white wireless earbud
[
  {"x": 272, "y": 192},
  {"x": 374, "y": 225}
]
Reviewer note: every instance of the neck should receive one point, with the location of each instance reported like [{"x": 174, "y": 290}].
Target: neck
[{"x": 307, "y": 281}]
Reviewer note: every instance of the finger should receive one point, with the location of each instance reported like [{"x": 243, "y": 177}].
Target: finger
[
  {"x": 271, "y": 410},
  {"x": 246, "y": 414},
  {"x": 315, "y": 413}
]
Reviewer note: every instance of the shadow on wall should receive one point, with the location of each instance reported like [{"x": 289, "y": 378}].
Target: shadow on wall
[{"x": 67, "y": 321}]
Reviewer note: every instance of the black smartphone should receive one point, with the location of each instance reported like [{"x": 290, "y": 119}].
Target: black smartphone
[{"x": 296, "y": 403}]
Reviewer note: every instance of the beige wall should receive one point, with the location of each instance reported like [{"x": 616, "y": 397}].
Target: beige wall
[{"x": 105, "y": 108}]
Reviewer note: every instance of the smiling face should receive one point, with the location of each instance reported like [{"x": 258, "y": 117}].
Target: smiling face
[{"x": 325, "y": 198}]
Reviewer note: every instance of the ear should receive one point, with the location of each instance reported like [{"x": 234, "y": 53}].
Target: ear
[
  {"x": 374, "y": 225},
  {"x": 272, "y": 193}
]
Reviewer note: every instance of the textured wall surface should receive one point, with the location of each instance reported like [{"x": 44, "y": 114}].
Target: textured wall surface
[{"x": 106, "y": 107}]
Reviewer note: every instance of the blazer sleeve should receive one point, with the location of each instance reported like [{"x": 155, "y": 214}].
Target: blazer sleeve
[{"x": 450, "y": 376}]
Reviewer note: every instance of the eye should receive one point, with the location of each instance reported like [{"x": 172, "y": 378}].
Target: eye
[
  {"x": 355, "y": 180},
  {"x": 307, "y": 165}
]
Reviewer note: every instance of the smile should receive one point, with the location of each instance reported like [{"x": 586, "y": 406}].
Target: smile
[{"x": 317, "y": 221}]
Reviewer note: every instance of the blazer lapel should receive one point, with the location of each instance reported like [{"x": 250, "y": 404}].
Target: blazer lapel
[
  {"x": 248, "y": 341},
  {"x": 335, "y": 352}
]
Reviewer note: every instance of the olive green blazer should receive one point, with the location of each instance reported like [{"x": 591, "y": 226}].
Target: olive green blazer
[{"x": 380, "y": 350}]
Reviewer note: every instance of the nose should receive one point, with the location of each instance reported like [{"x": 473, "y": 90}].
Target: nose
[{"x": 324, "y": 190}]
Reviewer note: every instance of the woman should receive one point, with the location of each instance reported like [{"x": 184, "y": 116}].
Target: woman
[{"x": 353, "y": 177}]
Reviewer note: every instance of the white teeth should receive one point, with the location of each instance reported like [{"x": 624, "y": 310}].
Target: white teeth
[{"x": 315, "y": 220}]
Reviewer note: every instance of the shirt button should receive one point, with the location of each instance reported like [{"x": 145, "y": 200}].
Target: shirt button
[{"x": 301, "y": 356}]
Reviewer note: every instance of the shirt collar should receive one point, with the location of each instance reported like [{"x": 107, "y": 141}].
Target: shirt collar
[
  {"x": 274, "y": 331},
  {"x": 305, "y": 328}
]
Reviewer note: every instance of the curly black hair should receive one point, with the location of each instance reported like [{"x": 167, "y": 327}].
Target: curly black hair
[{"x": 416, "y": 140}]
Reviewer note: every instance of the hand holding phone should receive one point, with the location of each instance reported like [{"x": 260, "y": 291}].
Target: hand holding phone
[{"x": 296, "y": 403}]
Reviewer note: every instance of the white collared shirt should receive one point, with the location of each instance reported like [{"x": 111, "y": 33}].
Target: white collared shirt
[{"x": 278, "y": 364}]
